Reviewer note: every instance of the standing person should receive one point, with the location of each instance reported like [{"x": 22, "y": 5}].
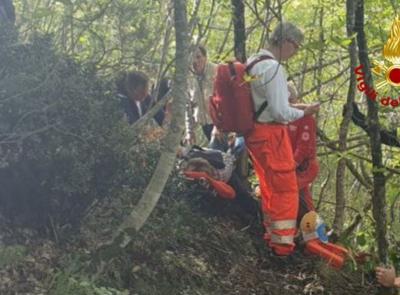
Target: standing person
[
  {"x": 269, "y": 143},
  {"x": 302, "y": 134},
  {"x": 198, "y": 121},
  {"x": 133, "y": 90}
]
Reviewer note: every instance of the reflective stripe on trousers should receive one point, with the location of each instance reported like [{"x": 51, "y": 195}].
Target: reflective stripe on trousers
[
  {"x": 272, "y": 156},
  {"x": 289, "y": 224}
]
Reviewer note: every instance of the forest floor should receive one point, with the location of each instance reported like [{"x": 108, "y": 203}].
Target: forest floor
[{"x": 192, "y": 244}]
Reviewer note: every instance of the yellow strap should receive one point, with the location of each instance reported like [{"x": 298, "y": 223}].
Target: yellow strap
[
  {"x": 283, "y": 224},
  {"x": 281, "y": 239}
]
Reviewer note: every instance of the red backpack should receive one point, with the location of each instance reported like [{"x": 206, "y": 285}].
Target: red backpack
[{"x": 231, "y": 106}]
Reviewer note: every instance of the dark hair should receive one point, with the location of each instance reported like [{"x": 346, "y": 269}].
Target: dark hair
[
  {"x": 202, "y": 49},
  {"x": 134, "y": 80}
]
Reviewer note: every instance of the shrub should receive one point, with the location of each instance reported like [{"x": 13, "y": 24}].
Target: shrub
[{"x": 62, "y": 140}]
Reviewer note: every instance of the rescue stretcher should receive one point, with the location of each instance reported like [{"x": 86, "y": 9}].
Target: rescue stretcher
[{"x": 223, "y": 189}]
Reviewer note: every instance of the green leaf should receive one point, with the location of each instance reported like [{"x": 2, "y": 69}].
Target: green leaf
[
  {"x": 82, "y": 40},
  {"x": 343, "y": 42},
  {"x": 249, "y": 78},
  {"x": 378, "y": 170},
  {"x": 361, "y": 240}
]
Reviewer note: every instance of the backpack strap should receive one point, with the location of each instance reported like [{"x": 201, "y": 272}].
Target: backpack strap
[
  {"x": 260, "y": 110},
  {"x": 197, "y": 147},
  {"x": 232, "y": 70},
  {"x": 248, "y": 68},
  {"x": 256, "y": 61}
]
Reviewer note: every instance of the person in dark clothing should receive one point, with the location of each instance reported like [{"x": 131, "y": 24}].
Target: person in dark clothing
[{"x": 133, "y": 90}]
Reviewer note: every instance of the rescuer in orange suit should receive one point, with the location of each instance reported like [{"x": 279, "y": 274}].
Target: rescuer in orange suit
[
  {"x": 269, "y": 144},
  {"x": 302, "y": 133}
]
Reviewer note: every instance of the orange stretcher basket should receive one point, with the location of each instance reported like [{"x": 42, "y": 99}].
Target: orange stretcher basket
[{"x": 223, "y": 190}]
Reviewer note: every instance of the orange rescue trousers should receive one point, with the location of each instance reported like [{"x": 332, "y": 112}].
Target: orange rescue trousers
[{"x": 271, "y": 152}]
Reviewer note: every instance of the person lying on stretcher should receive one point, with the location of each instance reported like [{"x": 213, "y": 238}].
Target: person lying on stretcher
[
  {"x": 216, "y": 169},
  {"x": 212, "y": 167}
]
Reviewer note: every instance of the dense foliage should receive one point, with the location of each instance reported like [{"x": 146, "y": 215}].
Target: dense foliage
[{"x": 62, "y": 139}]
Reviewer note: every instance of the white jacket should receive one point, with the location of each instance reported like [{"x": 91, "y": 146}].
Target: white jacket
[{"x": 270, "y": 84}]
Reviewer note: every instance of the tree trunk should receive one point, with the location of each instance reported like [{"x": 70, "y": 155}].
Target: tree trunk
[
  {"x": 239, "y": 30},
  {"x": 240, "y": 54},
  {"x": 344, "y": 125},
  {"x": 147, "y": 203},
  {"x": 7, "y": 11},
  {"x": 318, "y": 72},
  {"x": 165, "y": 47},
  {"x": 379, "y": 195}
]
